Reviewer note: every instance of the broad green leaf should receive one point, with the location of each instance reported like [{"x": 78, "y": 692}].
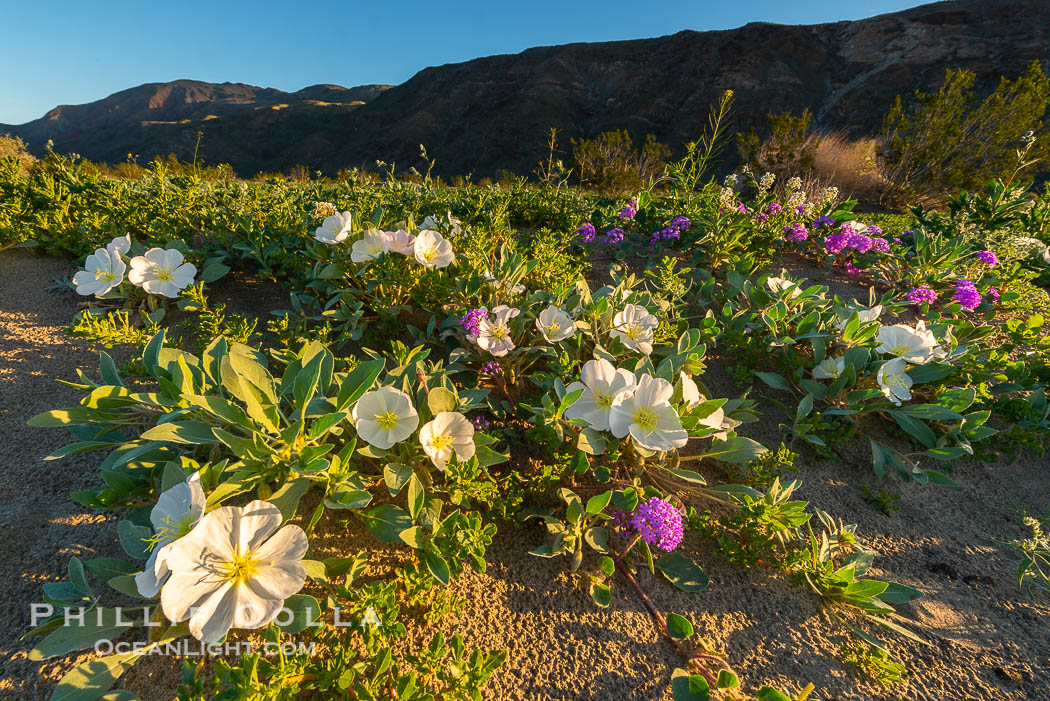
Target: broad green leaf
[{"x": 682, "y": 572}]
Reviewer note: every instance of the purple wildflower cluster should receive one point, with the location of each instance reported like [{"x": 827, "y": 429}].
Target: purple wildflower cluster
[
  {"x": 491, "y": 369},
  {"x": 629, "y": 211},
  {"x": 988, "y": 258},
  {"x": 880, "y": 245},
  {"x": 858, "y": 242},
  {"x": 994, "y": 294},
  {"x": 800, "y": 210},
  {"x": 671, "y": 232},
  {"x": 874, "y": 230},
  {"x": 923, "y": 294},
  {"x": 796, "y": 232},
  {"x": 586, "y": 232},
  {"x": 773, "y": 208},
  {"x": 614, "y": 235},
  {"x": 852, "y": 269},
  {"x": 480, "y": 423},
  {"x": 822, "y": 221},
  {"x": 659, "y": 524},
  {"x": 966, "y": 294},
  {"x": 835, "y": 243},
  {"x": 761, "y": 217},
  {"x": 741, "y": 207},
  {"x": 471, "y": 321}
]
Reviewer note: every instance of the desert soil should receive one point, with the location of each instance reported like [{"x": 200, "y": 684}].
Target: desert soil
[{"x": 987, "y": 639}]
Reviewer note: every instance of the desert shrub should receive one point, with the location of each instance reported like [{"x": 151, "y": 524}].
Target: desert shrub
[
  {"x": 611, "y": 163},
  {"x": 951, "y": 139},
  {"x": 13, "y": 147},
  {"x": 788, "y": 148},
  {"x": 848, "y": 164}
]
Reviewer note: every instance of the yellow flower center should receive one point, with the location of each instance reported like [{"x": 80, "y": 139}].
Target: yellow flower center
[
  {"x": 831, "y": 368},
  {"x": 554, "y": 328},
  {"x": 900, "y": 349},
  {"x": 107, "y": 275},
  {"x": 165, "y": 274},
  {"x": 386, "y": 420},
  {"x": 632, "y": 332},
  {"x": 241, "y": 568},
  {"x": 441, "y": 441},
  {"x": 500, "y": 332},
  {"x": 429, "y": 254},
  {"x": 894, "y": 381},
  {"x": 603, "y": 398},
  {"x": 646, "y": 419}
]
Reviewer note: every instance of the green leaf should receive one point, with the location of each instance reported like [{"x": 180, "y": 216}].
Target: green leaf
[
  {"x": 679, "y": 627},
  {"x": 689, "y": 687},
  {"x": 286, "y": 499},
  {"x": 358, "y": 381},
  {"x": 396, "y": 476},
  {"x": 385, "y": 522},
  {"x": 607, "y": 565},
  {"x": 592, "y": 442},
  {"x": 416, "y": 495},
  {"x": 437, "y": 566},
  {"x": 440, "y": 400},
  {"x": 598, "y": 538},
  {"x": 916, "y": 429},
  {"x": 134, "y": 539},
  {"x": 108, "y": 369},
  {"x": 182, "y": 432},
  {"x": 736, "y": 450},
  {"x": 98, "y": 624},
  {"x": 899, "y": 594},
  {"x": 598, "y": 502},
  {"x": 305, "y": 612},
  {"x": 774, "y": 380},
  {"x": 682, "y": 572},
  {"x": 600, "y": 594},
  {"x": 348, "y": 499}
]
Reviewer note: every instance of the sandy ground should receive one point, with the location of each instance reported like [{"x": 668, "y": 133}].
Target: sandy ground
[{"x": 987, "y": 639}]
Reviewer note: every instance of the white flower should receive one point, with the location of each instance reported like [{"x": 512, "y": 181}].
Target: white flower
[
  {"x": 717, "y": 420},
  {"x": 690, "y": 392},
  {"x": 384, "y": 416},
  {"x": 494, "y": 332},
  {"x": 103, "y": 270},
  {"x": 830, "y": 368},
  {"x": 634, "y": 327},
  {"x": 449, "y": 431},
  {"x": 779, "y": 285},
  {"x": 233, "y": 570},
  {"x": 865, "y": 315},
  {"x": 368, "y": 247},
  {"x": 400, "y": 241},
  {"x": 175, "y": 514},
  {"x": 647, "y": 415},
  {"x": 555, "y": 325},
  {"x": 916, "y": 345},
  {"x": 603, "y": 387},
  {"x": 894, "y": 381},
  {"x": 120, "y": 245},
  {"x": 433, "y": 250},
  {"x": 161, "y": 272},
  {"x": 334, "y": 229},
  {"x": 858, "y": 227}
]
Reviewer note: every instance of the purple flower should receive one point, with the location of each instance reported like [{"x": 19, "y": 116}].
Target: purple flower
[
  {"x": 773, "y": 208},
  {"x": 480, "y": 423},
  {"x": 966, "y": 294},
  {"x": 796, "y": 232},
  {"x": 907, "y": 233},
  {"x": 923, "y": 294},
  {"x": 800, "y": 209},
  {"x": 823, "y": 221},
  {"x": 681, "y": 222},
  {"x": 880, "y": 245},
  {"x": 614, "y": 235},
  {"x": 874, "y": 230},
  {"x": 659, "y": 524},
  {"x": 859, "y": 242},
  {"x": 629, "y": 211},
  {"x": 847, "y": 229},
  {"x": 835, "y": 243},
  {"x": 897, "y": 240},
  {"x": 671, "y": 233},
  {"x": 994, "y": 294},
  {"x": 761, "y": 217},
  {"x": 491, "y": 369},
  {"x": 988, "y": 258},
  {"x": 741, "y": 208},
  {"x": 852, "y": 269},
  {"x": 471, "y": 321},
  {"x": 586, "y": 232}
]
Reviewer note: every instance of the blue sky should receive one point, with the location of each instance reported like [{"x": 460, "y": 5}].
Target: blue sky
[{"x": 75, "y": 52}]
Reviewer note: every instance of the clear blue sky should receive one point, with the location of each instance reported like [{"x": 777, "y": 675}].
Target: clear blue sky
[{"x": 74, "y": 52}]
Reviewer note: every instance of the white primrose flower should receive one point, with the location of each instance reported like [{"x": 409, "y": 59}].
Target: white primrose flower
[
  {"x": 433, "y": 250},
  {"x": 449, "y": 431},
  {"x": 103, "y": 270},
  {"x": 603, "y": 388},
  {"x": 634, "y": 326},
  {"x": 865, "y": 316},
  {"x": 690, "y": 392},
  {"x": 233, "y": 570},
  {"x": 779, "y": 285},
  {"x": 830, "y": 368},
  {"x": 161, "y": 272},
  {"x": 174, "y": 515},
  {"x": 894, "y": 380},
  {"x": 384, "y": 416},
  {"x": 857, "y": 226},
  {"x": 649, "y": 418},
  {"x": 717, "y": 420},
  {"x": 369, "y": 247},
  {"x": 400, "y": 241},
  {"x": 334, "y": 229},
  {"x": 917, "y": 345},
  {"x": 120, "y": 245},
  {"x": 494, "y": 332},
  {"x": 555, "y": 325}
]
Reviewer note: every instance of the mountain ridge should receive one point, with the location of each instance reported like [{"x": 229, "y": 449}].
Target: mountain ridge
[{"x": 494, "y": 112}]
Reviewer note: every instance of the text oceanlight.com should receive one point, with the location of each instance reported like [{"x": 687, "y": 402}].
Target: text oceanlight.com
[{"x": 188, "y": 647}]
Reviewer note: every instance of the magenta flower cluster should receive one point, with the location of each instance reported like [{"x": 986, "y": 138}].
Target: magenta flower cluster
[
  {"x": 659, "y": 524},
  {"x": 614, "y": 235},
  {"x": 966, "y": 294},
  {"x": 471, "y": 321},
  {"x": 480, "y": 423},
  {"x": 824, "y": 220},
  {"x": 796, "y": 232},
  {"x": 773, "y": 208},
  {"x": 586, "y": 232},
  {"x": 988, "y": 258},
  {"x": 629, "y": 211},
  {"x": 671, "y": 232},
  {"x": 491, "y": 369},
  {"x": 923, "y": 294}
]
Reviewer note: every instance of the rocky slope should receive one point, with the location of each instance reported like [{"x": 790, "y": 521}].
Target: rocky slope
[{"x": 492, "y": 113}]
